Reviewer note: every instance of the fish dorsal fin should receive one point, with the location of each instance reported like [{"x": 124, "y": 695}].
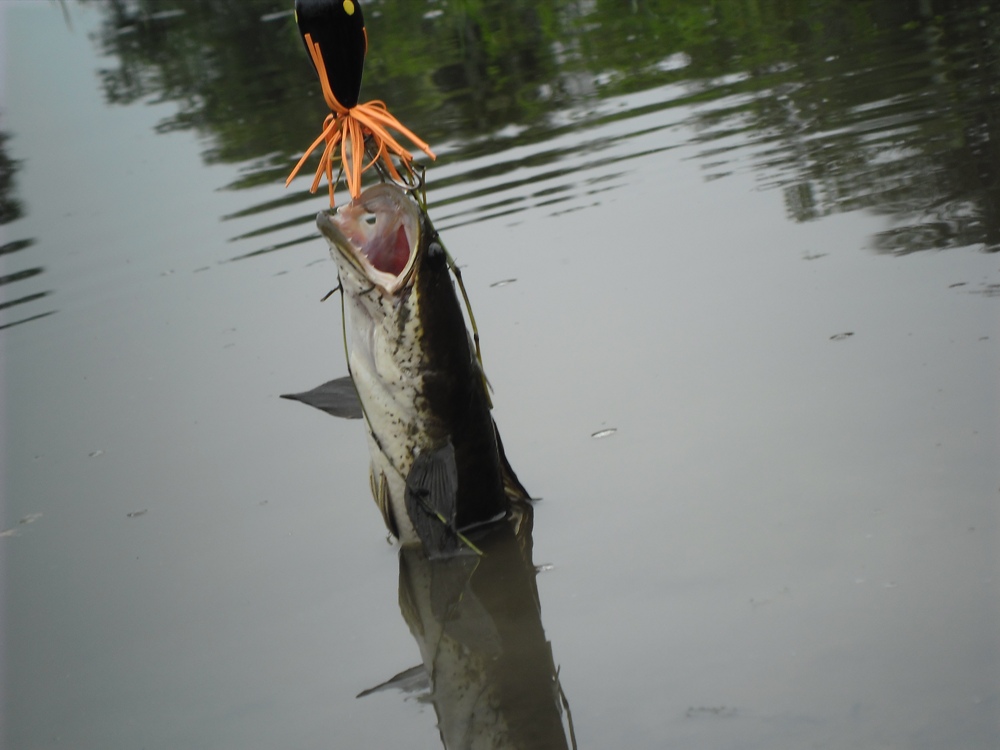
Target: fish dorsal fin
[
  {"x": 336, "y": 397},
  {"x": 431, "y": 500}
]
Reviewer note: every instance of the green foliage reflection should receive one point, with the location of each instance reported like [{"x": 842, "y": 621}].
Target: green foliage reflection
[{"x": 887, "y": 105}]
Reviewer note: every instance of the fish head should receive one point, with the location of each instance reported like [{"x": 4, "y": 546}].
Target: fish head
[{"x": 375, "y": 240}]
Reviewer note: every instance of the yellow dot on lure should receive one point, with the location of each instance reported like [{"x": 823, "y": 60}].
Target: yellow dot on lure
[{"x": 349, "y": 7}]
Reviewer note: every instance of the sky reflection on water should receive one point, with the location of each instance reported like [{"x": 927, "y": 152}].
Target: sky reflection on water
[{"x": 791, "y": 536}]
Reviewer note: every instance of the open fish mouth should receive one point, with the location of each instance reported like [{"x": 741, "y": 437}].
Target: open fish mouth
[{"x": 378, "y": 233}]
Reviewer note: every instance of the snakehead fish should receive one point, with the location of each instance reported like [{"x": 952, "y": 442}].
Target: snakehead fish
[{"x": 437, "y": 463}]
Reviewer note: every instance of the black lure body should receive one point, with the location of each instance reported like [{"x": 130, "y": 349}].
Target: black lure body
[{"x": 338, "y": 27}]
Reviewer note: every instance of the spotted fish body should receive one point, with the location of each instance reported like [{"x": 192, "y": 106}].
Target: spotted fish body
[{"x": 430, "y": 430}]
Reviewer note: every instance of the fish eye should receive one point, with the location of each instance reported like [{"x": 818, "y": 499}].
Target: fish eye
[{"x": 370, "y": 219}]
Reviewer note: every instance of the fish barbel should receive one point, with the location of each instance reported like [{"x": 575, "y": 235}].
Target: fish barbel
[{"x": 437, "y": 463}]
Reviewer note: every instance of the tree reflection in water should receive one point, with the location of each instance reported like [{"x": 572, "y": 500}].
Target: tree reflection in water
[
  {"x": 12, "y": 209},
  {"x": 887, "y": 106}
]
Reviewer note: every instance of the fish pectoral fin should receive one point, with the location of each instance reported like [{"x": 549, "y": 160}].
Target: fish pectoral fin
[
  {"x": 431, "y": 500},
  {"x": 336, "y": 397}
]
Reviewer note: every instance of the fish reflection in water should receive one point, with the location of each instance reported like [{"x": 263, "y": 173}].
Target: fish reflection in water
[{"x": 487, "y": 666}]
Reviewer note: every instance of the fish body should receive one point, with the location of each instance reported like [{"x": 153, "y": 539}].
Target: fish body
[{"x": 436, "y": 458}]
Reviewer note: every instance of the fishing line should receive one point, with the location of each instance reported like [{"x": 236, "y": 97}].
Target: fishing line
[
  {"x": 347, "y": 353},
  {"x": 453, "y": 267},
  {"x": 332, "y": 292}
]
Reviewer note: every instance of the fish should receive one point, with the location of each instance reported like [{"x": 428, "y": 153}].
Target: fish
[{"x": 438, "y": 467}]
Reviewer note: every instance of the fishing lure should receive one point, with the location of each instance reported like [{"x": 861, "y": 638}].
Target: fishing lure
[{"x": 335, "y": 38}]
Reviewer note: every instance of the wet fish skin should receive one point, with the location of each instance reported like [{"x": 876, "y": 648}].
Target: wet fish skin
[{"x": 414, "y": 366}]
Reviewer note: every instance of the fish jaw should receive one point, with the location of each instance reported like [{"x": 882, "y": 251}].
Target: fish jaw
[{"x": 375, "y": 239}]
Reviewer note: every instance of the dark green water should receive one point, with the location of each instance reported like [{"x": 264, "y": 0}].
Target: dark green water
[{"x": 734, "y": 266}]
